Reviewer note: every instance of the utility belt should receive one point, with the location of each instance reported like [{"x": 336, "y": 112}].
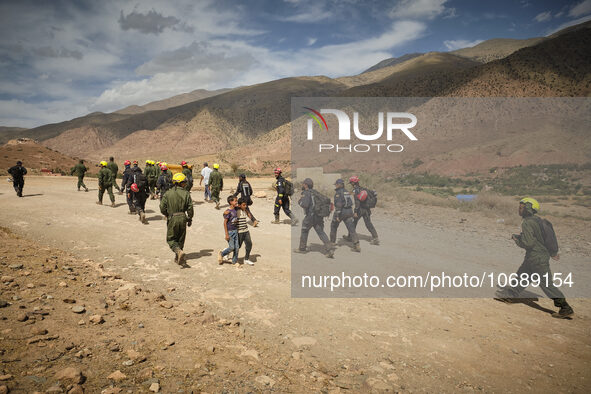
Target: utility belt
[{"x": 176, "y": 214}]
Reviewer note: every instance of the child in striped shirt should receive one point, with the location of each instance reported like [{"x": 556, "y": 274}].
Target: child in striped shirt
[{"x": 243, "y": 233}]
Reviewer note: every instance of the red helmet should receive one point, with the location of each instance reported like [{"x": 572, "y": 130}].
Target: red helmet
[
  {"x": 354, "y": 179},
  {"x": 135, "y": 162},
  {"x": 362, "y": 196},
  {"x": 183, "y": 163},
  {"x": 278, "y": 171},
  {"x": 163, "y": 168},
  {"x": 127, "y": 162},
  {"x": 134, "y": 188}
]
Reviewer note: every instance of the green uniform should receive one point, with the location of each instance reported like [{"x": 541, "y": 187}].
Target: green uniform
[
  {"x": 111, "y": 165},
  {"x": 173, "y": 205},
  {"x": 189, "y": 174},
  {"x": 151, "y": 174},
  {"x": 537, "y": 258},
  {"x": 216, "y": 184},
  {"x": 105, "y": 181},
  {"x": 79, "y": 170}
]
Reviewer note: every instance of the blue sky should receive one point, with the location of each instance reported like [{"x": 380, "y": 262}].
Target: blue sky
[{"x": 63, "y": 59}]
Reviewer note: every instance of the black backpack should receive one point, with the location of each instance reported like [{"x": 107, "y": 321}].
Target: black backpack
[
  {"x": 548, "y": 235},
  {"x": 288, "y": 186},
  {"x": 321, "y": 204},
  {"x": 372, "y": 198},
  {"x": 140, "y": 180}
]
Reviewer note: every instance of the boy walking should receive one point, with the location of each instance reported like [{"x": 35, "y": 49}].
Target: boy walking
[
  {"x": 243, "y": 233},
  {"x": 231, "y": 230}
]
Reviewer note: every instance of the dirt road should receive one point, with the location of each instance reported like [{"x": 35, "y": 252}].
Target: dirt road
[{"x": 358, "y": 344}]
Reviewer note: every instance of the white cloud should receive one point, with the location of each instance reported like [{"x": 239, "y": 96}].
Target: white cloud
[
  {"x": 543, "y": 16},
  {"x": 583, "y": 8},
  {"x": 22, "y": 114},
  {"x": 418, "y": 9},
  {"x": 452, "y": 45},
  {"x": 312, "y": 41},
  {"x": 307, "y": 17},
  {"x": 569, "y": 24}
]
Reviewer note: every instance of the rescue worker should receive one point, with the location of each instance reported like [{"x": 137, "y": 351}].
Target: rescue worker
[
  {"x": 188, "y": 174},
  {"x": 536, "y": 261},
  {"x": 139, "y": 192},
  {"x": 343, "y": 212},
  {"x": 151, "y": 174},
  {"x": 79, "y": 170},
  {"x": 216, "y": 184},
  {"x": 312, "y": 220},
  {"x": 245, "y": 191},
  {"x": 18, "y": 173},
  {"x": 362, "y": 210},
  {"x": 164, "y": 181},
  {"x": 105, "y": 182},
  {"x": 282, "y": 198},
  {"x": 177, "y": 206},
  {"x": 127, "y": 174},
  {"x": 114, "y": 169}
]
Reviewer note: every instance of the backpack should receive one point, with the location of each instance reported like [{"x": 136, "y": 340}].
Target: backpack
[
  {"x": 348, "y": 200},
  {"x": 548, "y": 235},
  {"x": 372, "y": 198},
  {"x": 140, "y": 181},
  {"x": 322, "y": 204},
  {"x": 288, "y": 186}
]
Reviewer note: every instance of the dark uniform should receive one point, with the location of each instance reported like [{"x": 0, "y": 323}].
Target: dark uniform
[
  {"x": 105, "y": 182},
  {"x": 18, "y": 173},
  {"x": 111, "y": 165},
  {"x": 362, "y": 211},
  {"x": 177, "y": 206},
  {"x": 79, "y": 170},
  {"x": 537, "y": 260},
  {"x": 189, "y": 174},
  {"x": 127, "y": 174},
  {"x": 343, "y": 212},
  {"x": 138, "y": 199},
  {"x": 245, "y": 191},
  {"x": 312, "y": 221},
  {"x": 282, "y": 200},
  {"x": 216, "y": 184},
  {"x": 164, "y": 182}
]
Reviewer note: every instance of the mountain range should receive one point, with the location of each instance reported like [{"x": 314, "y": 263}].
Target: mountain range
[{"x": 250, "y": 125}]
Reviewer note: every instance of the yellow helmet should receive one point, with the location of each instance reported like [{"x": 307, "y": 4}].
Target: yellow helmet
[
  {"x": 179, "y": 177},
  {"x": 103, "y": 163},
  {"x": 216, "y": 165},
  {"x": 148, "y": 161},
  {"x": 534, "y": 203}
]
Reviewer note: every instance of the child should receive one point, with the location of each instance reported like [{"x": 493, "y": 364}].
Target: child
[
  {"x": 243, "y": 233},
  {"x": 231, "y": 230}
]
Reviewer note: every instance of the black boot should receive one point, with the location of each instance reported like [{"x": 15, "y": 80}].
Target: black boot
[{"x": 565, "y": 311}]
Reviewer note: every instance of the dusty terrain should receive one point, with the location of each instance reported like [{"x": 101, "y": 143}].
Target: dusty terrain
[{"x": 218, "y": 328}]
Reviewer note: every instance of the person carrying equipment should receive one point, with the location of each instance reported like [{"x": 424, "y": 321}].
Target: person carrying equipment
[
  {"x": 127, "y": 174},
  {"x": 164, "y": 181},
  {"x": 114, "y": 169},
  {"x": 139, "y": 192},
  {"x": 537, "y": 259},
  {"x": 177, "y": 206},
  {"x": 105, "y": 182},
  {"x": 188, "y": 174},
  {"x": 18, "y": 173},
  {"x": 365, "y": 200},
  {"x": 284, "y": 191},
  {"x": 216, "y": 184},
  {"x": 79, "y": 170},
  {"x": 343, "y": 212},
  {"x": 245, "y": 191},
  {"x": 316, "y": 207}
]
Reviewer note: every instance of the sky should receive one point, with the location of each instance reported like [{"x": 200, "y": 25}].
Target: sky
[{"x": 64, "y": 59}]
